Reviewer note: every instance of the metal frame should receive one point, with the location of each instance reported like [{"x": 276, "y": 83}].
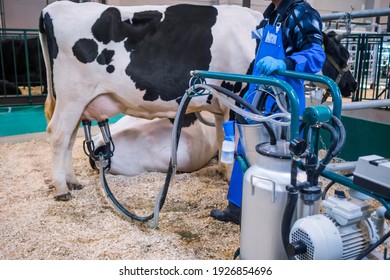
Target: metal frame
[
  {"x": 13, "y": 98},
  {"x": 366, "y": 65},
  {"x": 366, "y": 51}
]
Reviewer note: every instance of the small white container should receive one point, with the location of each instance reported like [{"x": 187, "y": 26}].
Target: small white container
[{"x": 227, "y": 155}]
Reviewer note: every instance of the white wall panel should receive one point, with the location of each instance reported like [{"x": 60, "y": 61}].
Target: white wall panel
[{"x": 22, "y": 13}]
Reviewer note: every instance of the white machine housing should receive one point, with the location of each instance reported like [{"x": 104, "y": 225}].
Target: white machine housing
[
  {"x": 263, "y": 201},
  {"x": 345, "y": 229}
]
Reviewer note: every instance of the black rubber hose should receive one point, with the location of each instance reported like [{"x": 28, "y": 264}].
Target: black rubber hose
[
  {"x": 333, "y": 142},
  {"x": 119, "y": 206},
  {"x": 170, "y": 168},
  {"x": 329, "y": 155},
  {"x": 289, "y": 209},
  {"x": 373, "y": 246},
  {"x": 263, "y": 98},
  {"x": 342, "y": 135},
  {"x": 164, "y": 193},
  {"x": 340, "y": 139},
  {"x": 250, "y": 107},
  {"x": 288, "y": 214},
  {"x": 294, "y": 173},
  {"x": 327, "y": 188}
]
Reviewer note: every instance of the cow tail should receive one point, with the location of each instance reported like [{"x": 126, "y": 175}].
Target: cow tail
[{"x": 50, "y": 101}]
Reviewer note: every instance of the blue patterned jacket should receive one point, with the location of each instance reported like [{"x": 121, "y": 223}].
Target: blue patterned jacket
[{"x": 302, "y": 34}]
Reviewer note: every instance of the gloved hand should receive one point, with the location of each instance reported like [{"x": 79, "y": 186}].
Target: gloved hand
[{"x": 268, "y": 64}]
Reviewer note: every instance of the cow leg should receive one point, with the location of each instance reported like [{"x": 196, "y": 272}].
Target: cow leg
[
  {"x": 62, "y": 136},
  {"x": 71, "y": 179}
]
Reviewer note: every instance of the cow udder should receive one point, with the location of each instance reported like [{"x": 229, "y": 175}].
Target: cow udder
[{"x": 102, "y": 107}]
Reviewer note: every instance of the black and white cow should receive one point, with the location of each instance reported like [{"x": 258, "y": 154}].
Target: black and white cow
[
  {"x": 143, "y": 145},
  {"x": 336, "y": 63},
  {"x": 105, "y": 60}
]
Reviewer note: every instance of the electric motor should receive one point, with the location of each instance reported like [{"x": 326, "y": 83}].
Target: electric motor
[{"x": 343, "y": 231}]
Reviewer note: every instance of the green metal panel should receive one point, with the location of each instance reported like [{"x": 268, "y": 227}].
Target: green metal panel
[
  {"x": 22, "y": 120},
  {"x": 365, "y": 137},
  {"x": 18, "y": 120}
]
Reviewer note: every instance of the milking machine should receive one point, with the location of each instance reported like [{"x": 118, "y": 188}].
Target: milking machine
[
  {"x": 285, "y": 213},
  {"x": 100, "y": 159}
]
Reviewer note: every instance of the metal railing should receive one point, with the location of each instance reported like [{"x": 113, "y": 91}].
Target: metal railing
[
  {"x": 22, "y": 69},
  {"x": 23, "y": 80},
  {"x": 369, "y": 64}
]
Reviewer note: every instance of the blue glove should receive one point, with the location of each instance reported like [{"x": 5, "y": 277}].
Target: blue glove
[{"x": 267, "y": 65}]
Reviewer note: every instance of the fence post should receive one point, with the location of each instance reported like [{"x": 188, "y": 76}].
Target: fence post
[
  {"x": 246, "y": 3},
  {"x": 27, "y": 66}
]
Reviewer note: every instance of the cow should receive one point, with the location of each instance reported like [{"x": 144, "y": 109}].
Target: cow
[
  {"x": 336, "y": 63},
  {"x": 8, "y": 88},
  {"x": 143, "y": 145},
  {"x": 136, "y": 61},
  {"x": 20, "y": 58}
]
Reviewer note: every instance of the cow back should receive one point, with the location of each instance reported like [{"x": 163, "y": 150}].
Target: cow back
[{"x": 143, "y": 55}]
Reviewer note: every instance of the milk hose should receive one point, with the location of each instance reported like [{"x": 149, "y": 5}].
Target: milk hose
[
  {"x": 329, "y": 155},
  {"x": 292, "y": 198},
  {"x": 241, "y": 113},
  {"x": 243, "y": 102},
  {"x": 251, "y": 108},
  {"x": 276, "y": 94},
  {"x": 326, "y": 189},
  {"x": 342, "y": 135},
  {"x": 172, "y": 168},
  {"x": 334, "y": 148},
  {"x": 116, "y": 203},
  {"x": 160, "y": 199},
  {"x": 203, "y": 120},
  {"x": 247, "y": 114}
]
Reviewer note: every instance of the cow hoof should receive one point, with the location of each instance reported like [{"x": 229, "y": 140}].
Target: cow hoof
[
  {"x": 63, "y": 197},
  {"x": 75, "y": 187}
]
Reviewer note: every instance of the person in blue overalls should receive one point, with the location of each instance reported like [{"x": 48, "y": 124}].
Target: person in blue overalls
[{"x": 290, "y": 39}]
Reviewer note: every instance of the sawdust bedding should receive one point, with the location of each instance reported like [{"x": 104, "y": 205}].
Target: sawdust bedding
[
  {"x": 88, "y": 227},
  {"x": 36, "y": 227}
]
